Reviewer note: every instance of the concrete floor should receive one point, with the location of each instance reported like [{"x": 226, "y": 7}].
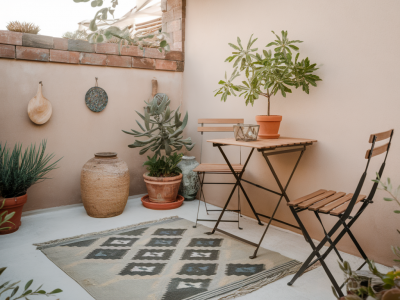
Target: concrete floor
[{"x": 24, "y": 262}]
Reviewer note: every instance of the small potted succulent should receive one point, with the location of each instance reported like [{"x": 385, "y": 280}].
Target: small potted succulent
[
  {"x": 163, "y": 129},
  {"x": 266, "y": 74},
  {"x": 19, "y": 170}
]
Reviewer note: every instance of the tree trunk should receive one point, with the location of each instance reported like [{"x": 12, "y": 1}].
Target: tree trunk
[{"x": 269, "y": 104}]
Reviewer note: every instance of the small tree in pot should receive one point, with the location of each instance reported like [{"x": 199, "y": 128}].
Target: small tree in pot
[
  {"x": 164, "y": 129},
  {"x": 19, "y": 170},
  {"x": 268, "y": 73}
]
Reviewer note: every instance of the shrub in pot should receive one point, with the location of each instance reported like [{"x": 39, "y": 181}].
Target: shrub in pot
[
  {"x": 163, "y": 129},
  {"x": 19, "y": 170},
  {"x": 266, "y": 74}
]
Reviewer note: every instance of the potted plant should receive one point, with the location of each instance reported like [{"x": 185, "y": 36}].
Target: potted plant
[
  {"x": 19, "y": 170},
  {"x": 266, "y": 74},
  {"x": 164, "y": 129}
]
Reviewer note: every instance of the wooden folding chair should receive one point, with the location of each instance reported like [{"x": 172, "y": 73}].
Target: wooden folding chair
[
  {"x": 216, "y": 169},
  {"x": 339, "y": 204}
]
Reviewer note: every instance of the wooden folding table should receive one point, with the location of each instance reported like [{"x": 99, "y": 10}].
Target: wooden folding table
[{"x": 267, "y": 147}]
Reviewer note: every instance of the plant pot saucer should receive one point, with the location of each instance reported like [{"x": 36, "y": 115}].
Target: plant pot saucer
[{"x": 162, "y": 206}]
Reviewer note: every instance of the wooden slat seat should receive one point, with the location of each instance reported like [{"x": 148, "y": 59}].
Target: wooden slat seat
[
  {"x": 334, "y": 203},
  {"x": 217, "y": 168}
]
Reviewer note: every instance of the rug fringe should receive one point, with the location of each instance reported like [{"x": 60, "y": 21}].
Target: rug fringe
[
  {"x": 259, "y": 284},
  {"x": 49, "y": 243}
]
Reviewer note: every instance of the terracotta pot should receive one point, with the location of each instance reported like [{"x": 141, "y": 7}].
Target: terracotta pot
[
  {"x": 13, "y": 205},
  {"x": 162, "y": 189},
  {"x": 162, "y": 206},
  {"x": 269, "y": 126},
  {"x": 105, "y": 185}
]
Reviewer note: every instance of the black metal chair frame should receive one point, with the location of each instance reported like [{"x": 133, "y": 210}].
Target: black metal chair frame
[{"x": 341, "y": 222}]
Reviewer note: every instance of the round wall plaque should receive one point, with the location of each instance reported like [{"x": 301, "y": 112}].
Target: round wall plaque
[{"x": 96, "y": 98}]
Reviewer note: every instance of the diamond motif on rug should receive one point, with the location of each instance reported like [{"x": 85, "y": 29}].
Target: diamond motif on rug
[
  {"x": 198, "y": 269},
  {"x": 86, "y": 243},
  {"x": 179, "y": 289},
  {"x": 243, "y": 269},
  {"x": 205, "y": 243},
  {"x": 169, "y": 231},
  {"x": 200, "y": 255},
  {"x": 136, "y": 232},
  {"x": 153, "y": 254},
  {"x": 142, "y": 269},
  {"x": 163, "y": 242},
  {"x": 119, "y": 242},
  {"x": 107, "y": 254}
]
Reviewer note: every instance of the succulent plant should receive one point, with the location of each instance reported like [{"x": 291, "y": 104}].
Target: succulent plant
[{"x": 162, "y": 127}]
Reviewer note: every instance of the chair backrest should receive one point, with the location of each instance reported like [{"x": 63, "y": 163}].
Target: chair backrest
[
  {"x": 217, "y": 128},
  {"x": 374, "y": 151},
  {"x": 203, "y": 128}
]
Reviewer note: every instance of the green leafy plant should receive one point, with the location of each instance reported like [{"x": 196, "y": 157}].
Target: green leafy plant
[
  {"x": 76, "y": 35},
  {"x": 13, "y": 289},
  {"x": 5, "y": 217},
  {"x": 267, "y": 73},
  {"x": 164, "y": 166},
  {"x": 164, "y": 130},
  {"x": 20, "y": 169},
  {"x": 98, "y": 35}
]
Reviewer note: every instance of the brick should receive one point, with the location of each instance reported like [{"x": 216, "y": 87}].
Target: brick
[
  {"x": 180, "y": 66},
  {"x": 37, "y": 41},
  {"x": 7, "y": 51},
  {"x": 174, "y": 25},
  {"x": 93, "y": 59},
  {"x": 29, "y": 53},
  {"x": 60, "y": 43},
  {"x": 164, "y": 27},
  {"x": 166, "y": 65},
  {"x": 107, "y": 48},
  {"x": 168, "y": 16},
  {"x": 69, "y": 57},
  {"x": 119, "y": 61},
  {"x": 143, "y": 63},
  {"x": 177, "y": 36},
  {"x": 131, "y": 51},
  {"x": 153, "y": 53},
  {"x": 175, "y": 55},
  {"x": 10, "y": 37},
  {"x": 163, "y": 5},
  {"x": 177, "y": 46},
  {"x": 173, "y": 3},
  {"x": 178, "y": 12},
  {"x": 80, "y": 46}
]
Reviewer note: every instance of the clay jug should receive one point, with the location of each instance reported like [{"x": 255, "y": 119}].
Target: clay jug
[
  {"x": 39, "y": 108},
  {"x": 105, "y": 185}
]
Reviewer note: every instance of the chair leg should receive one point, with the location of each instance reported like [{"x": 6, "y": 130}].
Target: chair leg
[
  {"x": 326, "y": 234},
  {"x": 201, "y": 193},
  {"x": 239, "y": 210}
]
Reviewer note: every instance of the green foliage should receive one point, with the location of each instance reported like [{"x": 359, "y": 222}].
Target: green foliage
[
  {"x": 267, "y": 73},
  {"x": 5, "y": 217},
  {"x": 163, "y": 128},
  {"x": 164, "y": 166},
  {"x": 13, "y": 289},
  {"x": 19, "y": 169},
  {"x": 122, "y": 35},
  {"x": 76, "y": 35}
]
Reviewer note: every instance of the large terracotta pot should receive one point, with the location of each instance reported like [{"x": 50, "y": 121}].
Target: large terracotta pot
[
  {"x": 269, "y": 126},
  {"x": 162, "y": 189},
  {"x": 105, "y": 185},
  {"x": 13, "y": 205}
]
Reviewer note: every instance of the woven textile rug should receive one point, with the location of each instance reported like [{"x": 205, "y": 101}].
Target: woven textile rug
[{"x": 165, "y": 260}]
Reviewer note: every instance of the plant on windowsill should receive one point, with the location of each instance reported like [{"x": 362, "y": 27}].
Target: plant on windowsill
[
  {"x": 388, "y": 286},
  {"x": 164, "y": 130},
  {"x": 19, "y": 170},
  {"x": 266, "y": 74}
]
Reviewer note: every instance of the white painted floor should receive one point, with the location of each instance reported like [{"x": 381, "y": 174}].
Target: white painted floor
[{"x": 24, "y": 262}]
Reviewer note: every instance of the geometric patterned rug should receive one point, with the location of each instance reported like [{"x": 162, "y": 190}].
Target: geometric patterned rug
[{"x": 165, "y": 260}]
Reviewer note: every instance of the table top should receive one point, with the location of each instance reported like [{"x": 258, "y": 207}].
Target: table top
[{"x": 265, "y": 143}]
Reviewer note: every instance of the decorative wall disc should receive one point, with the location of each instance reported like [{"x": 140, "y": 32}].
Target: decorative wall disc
[{"x": 96, "y": 98}]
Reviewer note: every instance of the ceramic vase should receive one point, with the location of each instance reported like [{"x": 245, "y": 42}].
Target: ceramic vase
[
  {"x": 105, "y": 185},
  {"x": 190, "y": 184}
]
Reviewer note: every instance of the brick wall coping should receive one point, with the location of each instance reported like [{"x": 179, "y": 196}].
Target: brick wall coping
[{"x": 25, "y": 46}]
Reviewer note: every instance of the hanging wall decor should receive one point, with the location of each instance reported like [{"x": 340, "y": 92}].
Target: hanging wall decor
[
  {"x": 39, "y": 108},
  {"x": 96, "y": 98}
]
